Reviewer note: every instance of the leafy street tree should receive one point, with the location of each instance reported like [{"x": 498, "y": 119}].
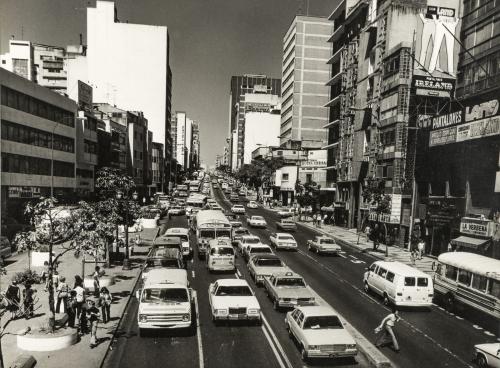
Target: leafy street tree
[{"x": 52, "y": 225}]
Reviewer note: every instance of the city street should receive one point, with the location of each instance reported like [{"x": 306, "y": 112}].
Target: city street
[{"x": 430, "y": 338}]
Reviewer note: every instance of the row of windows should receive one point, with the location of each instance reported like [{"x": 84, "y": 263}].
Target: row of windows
[
  {"x": 137, "y": 155},
  {"x": 36, "y": 137},
  {"x": 20, "y": 164},
  {"x": 90, "y": 124},
  {"x": 89, "y": 147},
  {"x": 477, "y": 71},
  {"x": 20, "y": 101},
  {"x": 87, "y": 174},
  {"x": 474, "y": 281}
]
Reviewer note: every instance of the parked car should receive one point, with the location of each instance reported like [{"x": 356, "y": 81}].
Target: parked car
[
  {"x": 257, "y": 221},
  {"x": 252, "y": 204},
  {"x": 233, "y": 299},
  {"x": 262, "y": 265},
  {"x": 254, "y": 249},
  {"x": 288, "y": 290},
  {"x": 286, "y": 224},
  {"x": 399, "y": 284},
  {"x": 287, "y": 212},
  {"x": 487, "y": 355},
  {"x": 323, "y": 245},
  {"x": 319, "y": 333},
  {"x": 238, "y": 208}
]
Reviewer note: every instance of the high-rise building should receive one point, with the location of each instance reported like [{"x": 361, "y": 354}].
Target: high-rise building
[
  {"x": 241, "y": 85},
  {"x": 143, "y": 54},
  {"x": 304, "y": 74},
  {"x": 38, "y": 142},
  {"x": 195, "y": 146},
  {"x": 182, "y": 134},
  {"x": 20, "y": 59},
  {"x": 262, "y": 123}
]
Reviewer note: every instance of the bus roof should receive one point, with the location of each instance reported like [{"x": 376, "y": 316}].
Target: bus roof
[
  {"x": 210, "y": 217},
  {"x": 472, "y": 262}
]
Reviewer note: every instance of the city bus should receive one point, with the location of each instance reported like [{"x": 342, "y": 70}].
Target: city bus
[
  {"x": 195, "y": 203},
  {"x": 210, "y": 224},
  {"x": 469, "y": 279}
]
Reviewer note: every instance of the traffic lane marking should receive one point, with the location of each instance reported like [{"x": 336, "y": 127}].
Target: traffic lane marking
[{"x": 198, "y": 333}]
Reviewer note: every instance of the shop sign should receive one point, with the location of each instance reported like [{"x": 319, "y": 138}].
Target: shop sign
[
  {"x": 433, "y": 86},
  {"x": 479, "y": 129},
  {"x": 475, "y": 226},
  {"x": 85, "y": 95},
  {"x": 384, "y": 217},
  {"x": 483, "y": 110},
  {"x": 24, "y": 192},
  {"x": 442, "y": 121},
  {"x": 443, "y": 136}
]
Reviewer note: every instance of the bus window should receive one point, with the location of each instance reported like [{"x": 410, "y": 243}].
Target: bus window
[
  {"x": 464, "y": 277},
  {"x": 479, "y": 282},
  {"x": 409, "y": 281},
  {"x": 451, "y": 272},
  {"x": 494, "y": 288},
  {"x": 423, "y": 281}
]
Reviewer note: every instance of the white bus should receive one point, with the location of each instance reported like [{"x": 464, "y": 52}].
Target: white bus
[
  {"x": 469, "y": 279},
  {"x": 210, "y": 224},
  {"x": 195, "y": 203}
]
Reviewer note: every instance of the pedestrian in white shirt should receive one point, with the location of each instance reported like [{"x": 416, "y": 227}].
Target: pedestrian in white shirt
[
  {"x": 420, "y": 246},
  {"x": 386, "y": 330}
]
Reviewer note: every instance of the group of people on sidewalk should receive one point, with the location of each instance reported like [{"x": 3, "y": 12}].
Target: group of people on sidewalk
[{"x": 12, "y": 298}]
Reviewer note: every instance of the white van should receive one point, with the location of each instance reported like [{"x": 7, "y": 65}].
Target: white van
[
  {"x": 399, "y": 284},
  {"x": 182, "y": 233},
  {"x": 165, "y": 300},
  {"x": 220, "y": 255}
]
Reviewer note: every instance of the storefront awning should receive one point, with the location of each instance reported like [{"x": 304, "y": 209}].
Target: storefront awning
[
  {"x": 468, "y": 242},
  {"x": 326, "y": 189}
]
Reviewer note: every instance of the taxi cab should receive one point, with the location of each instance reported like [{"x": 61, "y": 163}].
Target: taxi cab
[{"x": 220, "y": 255}]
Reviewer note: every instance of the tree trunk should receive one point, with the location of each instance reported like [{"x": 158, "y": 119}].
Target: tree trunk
[{"x": 52, "y": 314}]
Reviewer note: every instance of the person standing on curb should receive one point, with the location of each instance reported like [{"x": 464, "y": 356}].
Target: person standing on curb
[
  {"x": 105, "y": 301},
  {"x": 314, "y": 220},
  {"x": 385, "y": 329},
  {"x": 420, "y": 246}
]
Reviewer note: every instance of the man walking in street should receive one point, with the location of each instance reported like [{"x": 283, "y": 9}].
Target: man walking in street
[
  {"x": 386, "y": 330},
  {"x": 420, "y": 246}
]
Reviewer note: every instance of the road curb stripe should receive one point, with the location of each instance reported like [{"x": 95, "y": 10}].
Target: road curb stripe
[
  {"x": 277, "y": 344},
  {"x": 198, "y": 333}
]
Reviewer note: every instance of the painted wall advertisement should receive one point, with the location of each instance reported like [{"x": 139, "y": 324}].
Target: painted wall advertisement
[
  {"x": 476, "y": 118},
  {"x": 475, "y": 226}
]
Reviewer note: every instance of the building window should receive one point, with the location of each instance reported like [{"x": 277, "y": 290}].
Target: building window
[
  {"x": 284, "y": 176},
  {"x": 36, "y": 137},
  {"x": 64, "y": 169},
  {"x": 33, "y": 106},
  {"x": 90, "y": 147},
  {"x": 20, "y": 67}
]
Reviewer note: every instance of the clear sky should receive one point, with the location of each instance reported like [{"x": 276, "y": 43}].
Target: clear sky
[{"x": 211, "y": 40}]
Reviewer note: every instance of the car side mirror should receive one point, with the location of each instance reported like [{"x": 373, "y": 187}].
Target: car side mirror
[{"x": 138, "y": 293}]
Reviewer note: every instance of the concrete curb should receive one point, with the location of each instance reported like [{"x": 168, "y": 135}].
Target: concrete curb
[
  {"x": 47, "y": 343},
  {"x": 113, "y": 338},
  {"x": 24, "y": 361}
]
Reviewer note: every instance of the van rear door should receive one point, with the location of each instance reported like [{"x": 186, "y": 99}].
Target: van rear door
[{"x": 417, "y": 289}]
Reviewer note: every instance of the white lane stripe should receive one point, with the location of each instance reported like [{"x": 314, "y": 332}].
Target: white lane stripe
[
  {"x": 278, "y": 358},
  {"x": 238, "y": 273},
  {"x": 276, "y": 342},
  {"x": 350, "y": 255},
  {"x": 340, "y": 254},
  {"x": 198, "y": 334},
  {"x": 488, "y": 333},
  {"x": 411, "y": 326},
  {"x": 193, "y": 274}
]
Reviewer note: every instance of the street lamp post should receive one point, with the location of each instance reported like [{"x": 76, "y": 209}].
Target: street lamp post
[{"x": 120, "y": 196}]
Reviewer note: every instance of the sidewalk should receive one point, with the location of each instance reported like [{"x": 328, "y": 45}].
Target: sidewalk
[
  {"x": 125, "y": 281},
  {"x": 350, "y": 237}
]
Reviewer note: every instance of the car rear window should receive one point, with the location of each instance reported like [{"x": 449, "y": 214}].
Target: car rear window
[
  {"x": 409, "y": 281},
  {"x": 422, "y": 281}
]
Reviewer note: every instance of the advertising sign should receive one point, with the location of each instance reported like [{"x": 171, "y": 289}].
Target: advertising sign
[
  {"x": 426, "y": 85},
  {"x": 479, "y": 129},
  {"x": 84, "y": 95},
  {"x": 442, "y": 121},
  {"x": 475, "y": 226},
  {"x": 443, "y": 136}
]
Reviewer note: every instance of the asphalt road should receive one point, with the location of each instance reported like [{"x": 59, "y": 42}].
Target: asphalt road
[{"x": 429, "y": 338}]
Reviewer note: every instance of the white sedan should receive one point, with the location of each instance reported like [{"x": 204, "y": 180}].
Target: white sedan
[
  {"x": 247, "y": 240},
  {"x": 257, "y": 221},
  {"x": 233, "y": 299},
  {"x": 238, "y": 208},
  {"x": 252, "y": 204},
  {"x": 487, "y": 355},
  {"x": 283, "y": 241},
  {"x": 320, "y": 333}
]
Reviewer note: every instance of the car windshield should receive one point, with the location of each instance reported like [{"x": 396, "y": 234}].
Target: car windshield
[
  {"x": 183, "y": 237},
  {"x": 327, "y": 241},
  {"x": 233, "y": 291},
  {"x": 292, "y": 282},
  {"x": 322, "y": 322},
  {"x": 269, "y": 262},
  {"x": 157, "y": 295},
  {"x": 287, "y": 221},
  {"x": 286, "y": 237},
  {"x": 207, "y": 234},
  {"x": 251, "y": 241},
  {"x": 241, "y": 231},
  {"x": 257, "y": 218},
  {"x": 260, "y": 250},
  {"x": 168, "y": 263}
]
